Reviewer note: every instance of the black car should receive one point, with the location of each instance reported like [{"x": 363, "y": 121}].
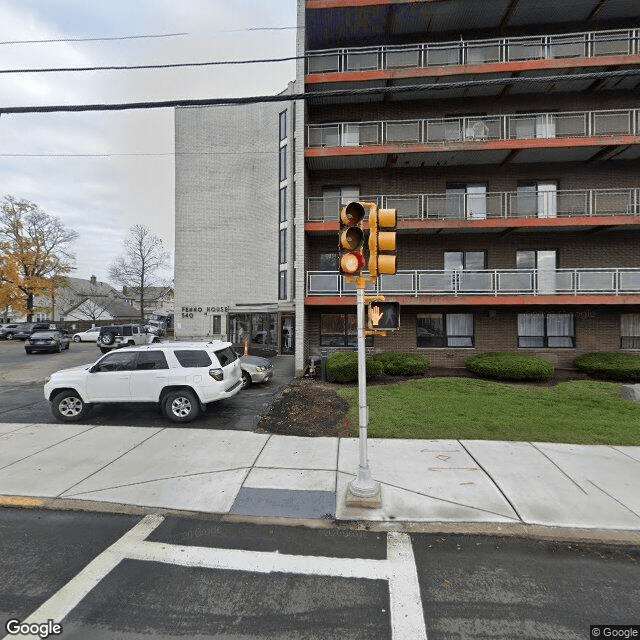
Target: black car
[
  {"x": 25, "y": 329},
  {"x": 48, "y": 341}
]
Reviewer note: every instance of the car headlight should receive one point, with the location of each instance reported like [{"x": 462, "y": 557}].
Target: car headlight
[
  {"x": 260, "y": 369},
  {"x": 47, "y": 379}
]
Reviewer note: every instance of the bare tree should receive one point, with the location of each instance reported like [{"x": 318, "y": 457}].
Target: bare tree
[
  {"x": 34, "y": 252},
  {"x": 137, "y": 269}
]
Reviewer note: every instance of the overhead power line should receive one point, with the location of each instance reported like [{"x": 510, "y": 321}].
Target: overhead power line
[
  {"x": 335, "y": 93},
  {"x": 105, "y": 39}
]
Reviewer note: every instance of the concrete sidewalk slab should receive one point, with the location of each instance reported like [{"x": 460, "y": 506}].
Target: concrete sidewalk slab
[
  {"x": 54, "y": 470},
  {"x": 543, "y": 493},
  {"x": 26, "y": 440},
  {"x": 174, "y": 453},
  {"x": 423, "y": 480}
]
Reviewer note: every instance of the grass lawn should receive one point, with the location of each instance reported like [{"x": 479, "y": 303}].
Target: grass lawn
[{"x": 578, "y": 412}]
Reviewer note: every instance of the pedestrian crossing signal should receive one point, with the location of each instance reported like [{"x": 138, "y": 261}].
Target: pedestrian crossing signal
[{"x": 384, "y": 315}]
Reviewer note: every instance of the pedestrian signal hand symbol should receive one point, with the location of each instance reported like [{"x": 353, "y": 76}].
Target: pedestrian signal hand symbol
[{"x": 384, "y": 315}]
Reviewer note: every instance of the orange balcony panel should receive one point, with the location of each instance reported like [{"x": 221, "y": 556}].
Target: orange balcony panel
[
  {"x": 454, "y": 70},
  {"x": 483, "y": 301},
  {"x": 485, "y": 145}
]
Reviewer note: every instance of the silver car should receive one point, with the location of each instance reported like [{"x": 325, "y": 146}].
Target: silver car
[{"x": 255, "y": 369}]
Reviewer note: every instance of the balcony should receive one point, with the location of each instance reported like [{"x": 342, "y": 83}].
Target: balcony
[
  {"x": 512, "y": 286},
  {"x": 355, "y": 62},
  {"x": 502, "y": 205},
  {"x": 531, "y": 137}
]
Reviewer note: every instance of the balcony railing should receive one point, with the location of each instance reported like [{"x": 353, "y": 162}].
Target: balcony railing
[
  {"x": 491, "y": 205},
  {"x": 573, "y": 124},
  {"x": 488, "y": 282},
  {"x": 587, "y": 44}
]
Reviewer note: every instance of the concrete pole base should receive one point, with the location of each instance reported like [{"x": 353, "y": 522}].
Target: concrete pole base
[{"x": 371, "y": 501}]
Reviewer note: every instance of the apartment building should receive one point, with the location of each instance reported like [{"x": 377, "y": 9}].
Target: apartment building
[
  {"x": 234, "y": 249},
  {"x": 506, "y": 133}
]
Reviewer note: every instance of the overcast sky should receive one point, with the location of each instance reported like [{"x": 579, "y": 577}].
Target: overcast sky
[{"x": 103, "y": 172}]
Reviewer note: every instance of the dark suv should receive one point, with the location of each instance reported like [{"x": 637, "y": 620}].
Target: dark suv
[
  {"x": 123, "y": 335},
  {"x": 23, "y": 330}
]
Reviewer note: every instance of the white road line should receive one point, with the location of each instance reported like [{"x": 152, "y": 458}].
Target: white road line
[
  {"x": 407, "y": 617},
  {"x": 64, "y": 600},
  {"x": 399, "y": 569},
  {"x": 259, "y": 561}
]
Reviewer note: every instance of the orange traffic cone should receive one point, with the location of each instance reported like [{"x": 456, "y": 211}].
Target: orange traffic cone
[{"x": 246, "y": 347}]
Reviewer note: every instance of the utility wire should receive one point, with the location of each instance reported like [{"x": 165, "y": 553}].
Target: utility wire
[
  {"x": 335, "y": 93},
  {"x": 154, "y": 35}
]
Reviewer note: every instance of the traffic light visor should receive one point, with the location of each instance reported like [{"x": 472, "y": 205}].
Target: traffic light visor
[{"x": 352, "y": 214}]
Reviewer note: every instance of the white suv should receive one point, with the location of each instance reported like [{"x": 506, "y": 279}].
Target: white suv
[{"x": 181, "y": 376}]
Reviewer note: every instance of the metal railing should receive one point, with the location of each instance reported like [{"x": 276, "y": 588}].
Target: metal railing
[
  {"x": 587, "y": 44},
  {"x": 488, "y": 282},
  {"x": 572, "y": 124},
  {"x": 480, "y": 206}
]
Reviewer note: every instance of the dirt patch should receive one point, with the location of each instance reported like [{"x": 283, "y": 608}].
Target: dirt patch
[{"x": 308, "y": 407}]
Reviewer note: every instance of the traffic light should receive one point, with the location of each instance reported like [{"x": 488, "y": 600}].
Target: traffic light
[
  {"x": 382, "y": 242},
  {"x": 384, "y": 315},
  {"x": 351, "y": 242}
]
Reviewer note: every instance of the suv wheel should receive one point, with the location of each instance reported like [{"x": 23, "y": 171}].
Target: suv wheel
[
  {"x": 9, "y": 336},
  {"x": 181, "y": 405},
  {"x": 68, "y": 406},
  {"x": 77, "y": 339},
  {"x": 246, "y": 380}
]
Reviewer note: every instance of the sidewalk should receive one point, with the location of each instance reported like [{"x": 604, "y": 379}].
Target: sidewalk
[{"x": 247, "y": 474}]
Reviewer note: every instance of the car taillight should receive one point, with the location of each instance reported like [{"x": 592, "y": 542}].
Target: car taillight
[{"x": 216, "y": 374}]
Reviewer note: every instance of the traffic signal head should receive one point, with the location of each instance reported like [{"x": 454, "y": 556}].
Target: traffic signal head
[
  {"x": 382, "y": 242},
  {"x": 351, "y": 239}
]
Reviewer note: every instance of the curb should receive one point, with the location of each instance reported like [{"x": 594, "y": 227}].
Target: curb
[{"x": 541, "y": 533}]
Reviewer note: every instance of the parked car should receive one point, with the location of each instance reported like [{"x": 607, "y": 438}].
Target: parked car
[
  {"x": 182, "y": 377},
  {"x": 123, "y": 335},
  {"x": 48, "y": 341},
  {"x": 8, "y": 330},
  {"x": 90, "y": 335},
  {"x": 255, "y": 369},
  {"x": 25, "y": 329}
]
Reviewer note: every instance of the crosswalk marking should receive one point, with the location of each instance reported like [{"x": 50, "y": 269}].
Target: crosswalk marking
[{"x": 399, "y": 569}]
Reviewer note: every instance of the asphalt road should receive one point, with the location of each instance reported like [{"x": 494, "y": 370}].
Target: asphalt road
[
  {"x": 175, "y": 577},
  {"x": 22, "y": 401}
]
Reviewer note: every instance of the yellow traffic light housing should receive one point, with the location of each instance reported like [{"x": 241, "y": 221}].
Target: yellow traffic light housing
[
  {"x": 351, "y": 239},
  {"x": 382, "y": 242}
]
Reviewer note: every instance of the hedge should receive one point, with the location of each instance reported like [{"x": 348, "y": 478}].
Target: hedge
[
  {"x": 343, "y": 367},
  {"x": 510, "y": 366},
  {"x": 402, "y": 364},
  {"x": 610, "y": 365}
]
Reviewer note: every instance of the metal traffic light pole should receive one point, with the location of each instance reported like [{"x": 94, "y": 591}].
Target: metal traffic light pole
[{"x": 363, "y": 490}]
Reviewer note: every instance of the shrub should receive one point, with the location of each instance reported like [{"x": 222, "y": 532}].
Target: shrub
[
  {"x": 343, "y": 367},
  {"x": 610, "y": 365},
  {"x": 402, "y": 364},
  {"x": 510, "y": 366}
]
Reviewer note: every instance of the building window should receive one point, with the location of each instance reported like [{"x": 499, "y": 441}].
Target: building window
[
  {"x": 537, "y": 200},
  {"x": 551, "y": 330},
  {"x": 216, "y": 324},
  {"x": 465, "y": 260},
  {"x": 340, "y": 330},
  {"x": 283, "y": 163},
  {"x": 283, "y": 125},
  {"x": 335, "y": 197},
  {"x": 630, "y": 331},
  {"x": 283, "y": 246},
  {"x": 445, "y": 330},
  {"x": 282, "y": 286},
  {"x": 329, "y": 261},
  {"x": 283, "y": 204},
  {"x": 466, "y": 201}
]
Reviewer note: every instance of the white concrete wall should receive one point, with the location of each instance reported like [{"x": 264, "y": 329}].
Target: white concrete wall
[{"x": 226, "y": 191}]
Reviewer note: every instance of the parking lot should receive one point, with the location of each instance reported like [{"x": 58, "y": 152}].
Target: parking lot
[{"x": 22, "y": 400}]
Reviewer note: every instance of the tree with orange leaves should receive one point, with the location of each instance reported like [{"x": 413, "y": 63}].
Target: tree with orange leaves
[{"x": 34, "y": 253}]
